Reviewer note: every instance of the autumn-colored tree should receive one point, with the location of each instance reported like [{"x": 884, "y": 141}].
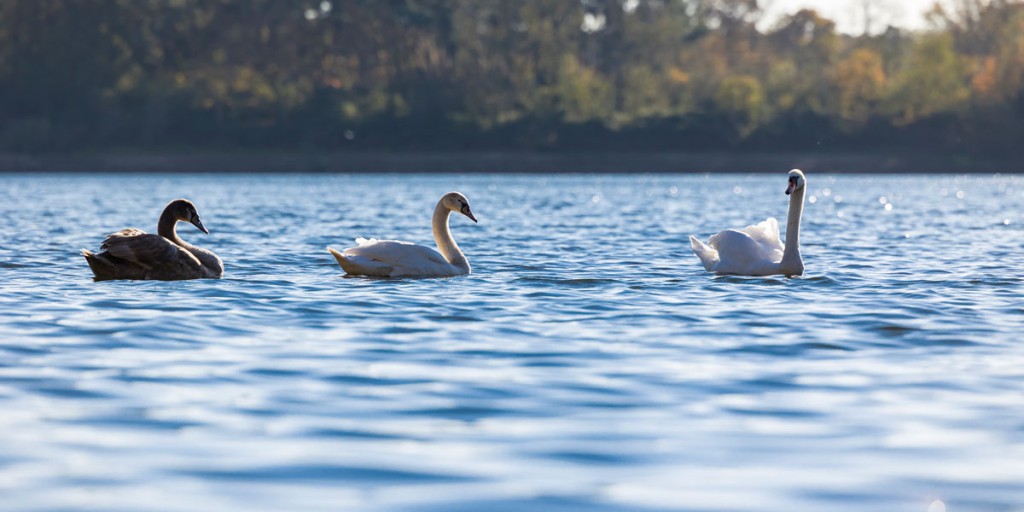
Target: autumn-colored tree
[{"x": 858, "y": 83}]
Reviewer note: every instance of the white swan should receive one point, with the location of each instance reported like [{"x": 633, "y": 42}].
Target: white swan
[
  {"x": 391, "y": 258},
  {"x": 756, "y": 250}
]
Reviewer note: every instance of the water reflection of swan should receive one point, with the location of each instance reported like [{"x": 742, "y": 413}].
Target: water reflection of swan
[
  {"x": 133, "y": 254},
  {"x": 756, "y": 250},
  {"x": 391, "y": 258}
]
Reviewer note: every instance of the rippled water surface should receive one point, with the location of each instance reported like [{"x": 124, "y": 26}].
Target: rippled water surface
[{"x": 588, "y": 363}]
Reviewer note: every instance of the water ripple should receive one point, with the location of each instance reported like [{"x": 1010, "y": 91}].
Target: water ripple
[{"x": 588, "y": 363}]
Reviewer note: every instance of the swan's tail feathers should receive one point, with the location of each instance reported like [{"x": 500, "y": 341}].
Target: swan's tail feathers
[
  {"x": 360, "y": 265},
  {"x": 100, "y": 266},
  {"x": 338, "y": 256},
  {"x": 707, "y": 254}
]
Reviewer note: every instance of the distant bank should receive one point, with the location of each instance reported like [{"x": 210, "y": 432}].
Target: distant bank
[{"x": 505, "y": 161}]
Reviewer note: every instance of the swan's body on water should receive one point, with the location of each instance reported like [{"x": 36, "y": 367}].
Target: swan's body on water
[
  {"x": 134, "y": 254},
  {"x": 757, "y": 250},
  {"x": 392, "y": 258}
]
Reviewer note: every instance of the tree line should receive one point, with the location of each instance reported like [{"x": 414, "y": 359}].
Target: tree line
[{"x": 631, "y": 75}]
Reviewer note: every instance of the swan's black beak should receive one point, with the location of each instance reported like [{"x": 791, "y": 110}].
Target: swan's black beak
[
  {"x": 465, "y": 211},
  {"x": 792, "y": 186},
  {"x": 199, "y": 224}
]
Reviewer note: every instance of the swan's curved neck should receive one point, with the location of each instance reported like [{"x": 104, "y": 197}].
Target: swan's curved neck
[
  {"x": 791, "y": 259},
  {"x": 443, "y": 237},
  {"x": 166, "y": 227}
]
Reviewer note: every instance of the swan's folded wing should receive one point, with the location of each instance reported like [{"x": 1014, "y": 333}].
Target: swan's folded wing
[
  {"x": 144, "y": 249},
  {"x": 118, "y": 236},
  {"x": 405, "y": 258},
  {"x": 395, "y": 252},
  {"x": 766, "y": 234},
  {"x": 733, "y": 243},
  {"x": 740, "y": 253}
]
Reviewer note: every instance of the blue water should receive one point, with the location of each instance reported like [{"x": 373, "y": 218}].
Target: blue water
[{"x": 588, "y": 363}]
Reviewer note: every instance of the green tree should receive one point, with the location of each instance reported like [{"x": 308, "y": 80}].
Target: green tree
[
  {"x": 741, "y": 100},
  {"x": 59, "y": 59},
  {"x": 932, "y": 81}
]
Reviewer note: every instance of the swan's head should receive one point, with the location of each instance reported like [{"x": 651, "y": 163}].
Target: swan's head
[
  {"x": 185, "y": 211},
  {"x": 796, "y": 181},
  {"x": 457, "y": 202}
]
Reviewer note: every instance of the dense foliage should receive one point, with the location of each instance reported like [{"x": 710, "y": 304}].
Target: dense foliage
[{"x": 501, "y": 74}]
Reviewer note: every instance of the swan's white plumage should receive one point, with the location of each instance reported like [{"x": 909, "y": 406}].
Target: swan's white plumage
[
  {"x": 393, "y": 258},
  {"x": 753, "y": 250},
  {"x": 757, "y": 250}
]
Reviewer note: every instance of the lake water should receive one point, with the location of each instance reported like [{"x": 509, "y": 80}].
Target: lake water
[{"x": 588, "y": 363}]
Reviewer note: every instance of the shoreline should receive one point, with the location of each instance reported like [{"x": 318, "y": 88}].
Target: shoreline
[{"x": 502, "y": 162}]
